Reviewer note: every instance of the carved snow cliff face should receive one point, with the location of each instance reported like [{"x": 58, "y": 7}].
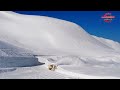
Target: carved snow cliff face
[{"x": 49, "y": 36}]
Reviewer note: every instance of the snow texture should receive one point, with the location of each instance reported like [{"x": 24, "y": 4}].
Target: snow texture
[{"x": 28, "y": 40}]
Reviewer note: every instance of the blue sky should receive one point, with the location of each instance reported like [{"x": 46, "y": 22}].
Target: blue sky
[{"x": 91, "y": 21}]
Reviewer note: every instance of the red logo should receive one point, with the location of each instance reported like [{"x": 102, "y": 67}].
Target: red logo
[{"x": 108, "y": 17}]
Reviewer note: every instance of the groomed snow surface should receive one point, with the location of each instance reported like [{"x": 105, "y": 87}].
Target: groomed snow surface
[{"x": 29, "y": 43}]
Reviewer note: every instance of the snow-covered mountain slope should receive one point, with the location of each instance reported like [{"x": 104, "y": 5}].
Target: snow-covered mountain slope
[
  {"x": 50, "y": 36},
  {"x": 77, "y": 53},
  {"x": 10, "y": 50},
  {"x": 109, "y": 43}
]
